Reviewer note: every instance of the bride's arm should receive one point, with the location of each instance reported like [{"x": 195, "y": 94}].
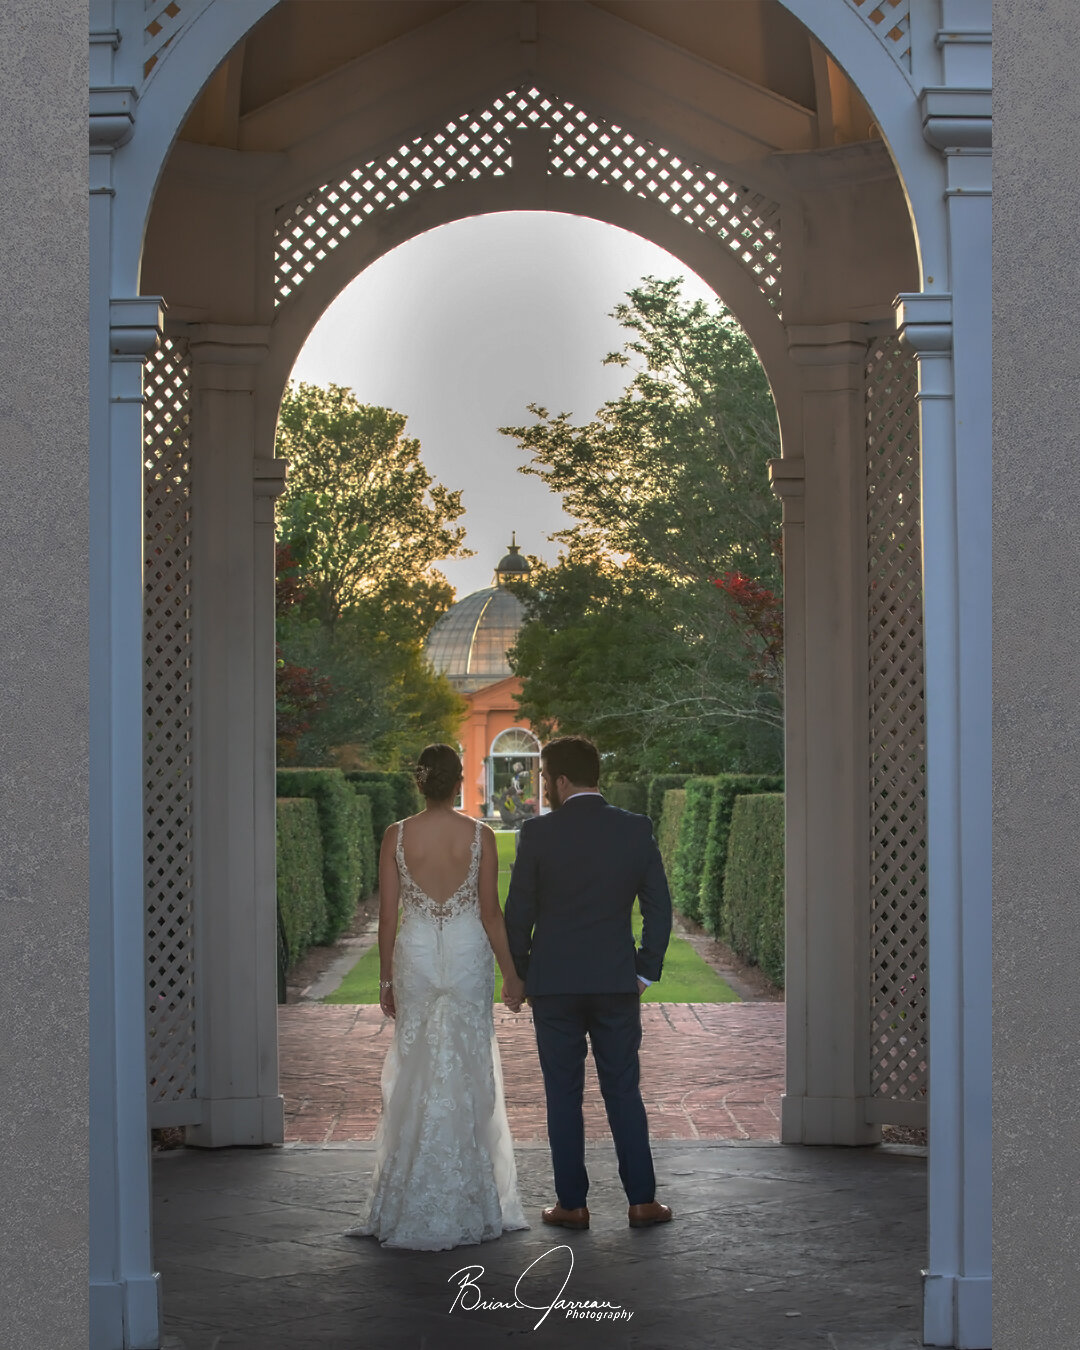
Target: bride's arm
[
  {"x": 389, "y": 888},
  {"x": 491, "y": 916}
]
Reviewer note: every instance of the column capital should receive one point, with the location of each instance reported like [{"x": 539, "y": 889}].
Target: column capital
[
  {"x": 135, "y": 327},
  {"x": 787, "y": 478},
  {"x": 228, "y": 344},
  {"x": 269, "y": 476},
  {"x": 225, "y": 356},
  {"x": 924, "y": 322},
  {"x": 829, "y": 344},
  {"x": 112, "y": 117},
  {"x": 955, "y": 118},
  {"x": 268, "y": 481}
]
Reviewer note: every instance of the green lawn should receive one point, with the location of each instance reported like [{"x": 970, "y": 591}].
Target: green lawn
[{"x": 687, "y": 978}]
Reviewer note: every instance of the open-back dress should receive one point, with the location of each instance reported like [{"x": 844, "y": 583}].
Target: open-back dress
[{"x": 444, "y": 1172}]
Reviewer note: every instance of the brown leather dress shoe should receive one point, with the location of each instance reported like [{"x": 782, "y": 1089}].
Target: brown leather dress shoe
[
  {"x": 644, "y": 1216},
  {"x": 566, "y": 1218}
]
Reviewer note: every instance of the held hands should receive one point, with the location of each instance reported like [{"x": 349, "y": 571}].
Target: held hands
[{"x": 513, "y": 993}]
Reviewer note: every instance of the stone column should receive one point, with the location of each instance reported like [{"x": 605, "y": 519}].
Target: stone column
[
  {"x": 124, "y": 330},
  {"x": 823, "y": 491},
  {"x": 124, "y": 1288},
  {"x": 235, "y": 865},
  {"x": 950, "y": 333}
]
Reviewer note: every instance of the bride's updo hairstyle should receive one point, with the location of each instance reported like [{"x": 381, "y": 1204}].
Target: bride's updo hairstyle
[{"x": 438, "y": 772}]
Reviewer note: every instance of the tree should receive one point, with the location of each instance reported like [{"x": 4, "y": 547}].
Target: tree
[
  {"x": 359, "y": 511},
  {"x": 673, "y": 472},
  {"x": 360, "y": 524},
  {"x": 386, "y": 703},
  {"x": 629, "y": 637}
]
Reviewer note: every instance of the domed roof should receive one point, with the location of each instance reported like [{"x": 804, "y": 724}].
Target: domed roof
[{"x": 469, "y": 643}]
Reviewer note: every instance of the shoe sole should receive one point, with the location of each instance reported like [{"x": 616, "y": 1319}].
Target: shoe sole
[
  {"x": 566, "y": 1223},
  {"x": 649, "y": 1223}
]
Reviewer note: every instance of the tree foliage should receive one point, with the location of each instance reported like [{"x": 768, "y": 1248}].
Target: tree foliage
[
  {"x": 359, "y": 511},
  {"x": 658, "y": 630},
  {"x": 359, "y": 526},
  {"x": 673, "y": 472}
]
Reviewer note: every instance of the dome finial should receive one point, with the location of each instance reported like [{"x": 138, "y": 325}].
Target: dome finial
[{"x": 513, "y": 566}]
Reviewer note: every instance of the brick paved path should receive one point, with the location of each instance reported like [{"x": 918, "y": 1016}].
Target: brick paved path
[{"x": 708, "y": 1071}]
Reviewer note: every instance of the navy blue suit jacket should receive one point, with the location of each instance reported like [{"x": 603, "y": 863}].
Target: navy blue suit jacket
[{"x": 568, "y": 911}]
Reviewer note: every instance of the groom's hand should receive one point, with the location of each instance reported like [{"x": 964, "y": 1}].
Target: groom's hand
[
  {"x": 513, "y": 992},
  {"x": 641, "y": 987}
]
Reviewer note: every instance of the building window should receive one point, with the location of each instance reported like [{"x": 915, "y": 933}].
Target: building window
[{"x": 514, "y": 786}]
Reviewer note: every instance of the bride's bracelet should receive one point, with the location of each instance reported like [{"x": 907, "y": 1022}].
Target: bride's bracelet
[{"x": 385, "y": 984}]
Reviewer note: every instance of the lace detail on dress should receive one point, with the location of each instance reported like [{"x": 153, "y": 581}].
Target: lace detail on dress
[{"x": 464, "y": 898}]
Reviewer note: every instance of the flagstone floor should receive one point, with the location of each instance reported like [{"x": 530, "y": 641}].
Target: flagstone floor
[
  {"x": 772, "y": 1248},
  {"x": 709, "y": 1071}
]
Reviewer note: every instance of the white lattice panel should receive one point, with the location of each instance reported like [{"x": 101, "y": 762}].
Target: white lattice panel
[
  {"x": 480, "y": 143},
  {"x": 891, "y": 21},
  {"x": 898, "y": 926},
  {"x": 167, "y": 736}
]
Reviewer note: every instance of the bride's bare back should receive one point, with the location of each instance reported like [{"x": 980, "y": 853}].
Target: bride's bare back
[{"x": 438, "y": 851}]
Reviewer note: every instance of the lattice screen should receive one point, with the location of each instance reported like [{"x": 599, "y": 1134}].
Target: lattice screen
[
  {"x": 480, "y": 143},
  {"x": 898, "y": 926},
  {"x": 167, "y": 731},
  {"x": 891, "y": 21}
]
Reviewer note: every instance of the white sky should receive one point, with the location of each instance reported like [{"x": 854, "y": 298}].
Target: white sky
[{"x": 464, "y": 326}]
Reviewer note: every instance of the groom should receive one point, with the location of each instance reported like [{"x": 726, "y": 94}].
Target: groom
[{"x": 568, "y": 919}]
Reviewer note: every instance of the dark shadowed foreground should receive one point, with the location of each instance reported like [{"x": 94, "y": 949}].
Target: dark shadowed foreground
[{"x": 772, "y": 1248}]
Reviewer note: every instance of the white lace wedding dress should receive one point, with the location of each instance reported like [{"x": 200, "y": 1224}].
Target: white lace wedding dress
[{"x": 444, "y": 1173}]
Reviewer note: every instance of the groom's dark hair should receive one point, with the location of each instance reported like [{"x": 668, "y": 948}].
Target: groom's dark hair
[{"x": 574, "y": 756}]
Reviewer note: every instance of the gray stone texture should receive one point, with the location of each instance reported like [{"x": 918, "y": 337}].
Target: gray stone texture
[
  {"x": 1037, "y": 714},
  {"x": 44, "y": 665}
]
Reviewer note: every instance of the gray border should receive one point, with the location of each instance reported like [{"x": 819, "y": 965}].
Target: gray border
[
  {"x": 43, "y": 736},
  {"x": 45, "y": 671},
  {"x": 1036, "y": 716}
]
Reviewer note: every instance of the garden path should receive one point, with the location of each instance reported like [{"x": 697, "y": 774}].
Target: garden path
[{"x": 708, "y": 1071}]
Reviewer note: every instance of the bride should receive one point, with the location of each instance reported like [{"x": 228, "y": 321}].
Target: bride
[{"x": 444, "y": 1161}]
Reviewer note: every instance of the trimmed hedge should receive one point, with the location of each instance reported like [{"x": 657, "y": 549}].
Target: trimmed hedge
[
  {"x": 381, "y": 797},
  {"x": 345, "y": 826},
  {"x": 690, "y": 853},
  {"x": 754, "y": 883},
  {"x": 655, "y": 790},
  {"x": 667, "y": 836},
  {"x": 365, "y": 833},
  {"x": 300, "y": 895},
  {"x": 629, "y": 796},
  {"x": 728, "y": 787},
  {"x": 407, "y": 799}
]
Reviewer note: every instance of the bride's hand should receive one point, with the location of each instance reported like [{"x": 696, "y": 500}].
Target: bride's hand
[
  {"x": 386, "y": 1001},
  {"x": 513, "y": 992}
]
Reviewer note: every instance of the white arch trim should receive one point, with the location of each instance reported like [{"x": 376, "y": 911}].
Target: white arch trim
[
  {"x": 709, "y": 258},
  {"x": 494, "y": 750},
  {"x": 191, "y": 58}
]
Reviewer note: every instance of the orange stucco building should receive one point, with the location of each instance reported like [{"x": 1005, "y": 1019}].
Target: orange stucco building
[{"x": 500, "y": 753}]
